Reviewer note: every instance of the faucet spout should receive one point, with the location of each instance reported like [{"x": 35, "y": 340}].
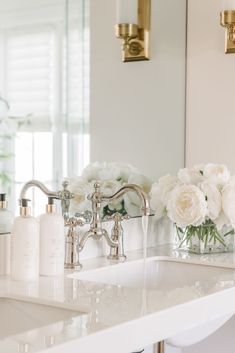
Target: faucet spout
[
  {"x": 39, "y": 185},
  {"x": 64, "y": 195},
  {"x": 145, "y": 204}
]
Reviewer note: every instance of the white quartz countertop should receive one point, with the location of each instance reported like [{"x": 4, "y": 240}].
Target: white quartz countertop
[{"x": 118, "y": 319}]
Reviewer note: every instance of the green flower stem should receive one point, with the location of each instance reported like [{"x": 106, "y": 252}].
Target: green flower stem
[{"x": 206, "y": 233}]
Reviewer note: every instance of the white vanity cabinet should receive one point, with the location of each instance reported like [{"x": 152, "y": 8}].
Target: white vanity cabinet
[{"x": 221, "y": 340}]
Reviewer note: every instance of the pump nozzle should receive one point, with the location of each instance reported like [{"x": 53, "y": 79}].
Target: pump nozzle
[
  {"x": 24, "y": 207},
  {"x": 3, "y": 201},
  {"x": 50, "y": 207}
]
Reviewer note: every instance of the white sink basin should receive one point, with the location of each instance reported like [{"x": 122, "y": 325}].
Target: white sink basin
[
  {"x": 164, "y": 275},
  {"x": 18, "y": 316},
  {"x": 169, "y": 282}
]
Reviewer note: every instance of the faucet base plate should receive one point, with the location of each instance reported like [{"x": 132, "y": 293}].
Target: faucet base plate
[
  {"x": 120, "y": 258},
  {"x": 76, "y": 266}
]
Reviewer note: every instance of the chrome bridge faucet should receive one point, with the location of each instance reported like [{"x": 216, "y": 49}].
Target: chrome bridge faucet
[
  {"x": 74, "y": 244},
  {"x": 96, "y": 230}
]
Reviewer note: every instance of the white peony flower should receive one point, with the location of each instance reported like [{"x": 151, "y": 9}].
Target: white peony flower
[
  {"x": 160, "y": 193},
  {"x": 187, "y": 206},
  {"x": 228, "y": 202},
  {"x": 221, "y": 221},
  {"x": 101, "y": 171},
  {"x": 109, "y": 172},
  {"x": 144, "y": 183},
  {"x": 140, "y": 180},
  {"x": 156, "y": 202},
  {"x": 131, "y": 208},
  {"x": 131, "y": 199},
  {"x": 81, "y": 189},
  {"x": 214, "y": 199},
  {"x": 164, "y": 187},
  {"x": 108, "y": 188},
  {"x": 217, "y": 174},
  {"x": 199, "y": 168},
  {"x": 190, "y": 176},
  {"x": 232, "y": 179},
  {"x": 125, "y": 170}
]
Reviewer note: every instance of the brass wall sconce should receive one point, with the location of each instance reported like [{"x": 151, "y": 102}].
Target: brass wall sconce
[
  {"x": 133, "y": 27},
  {"x": 227, "y": 20}
]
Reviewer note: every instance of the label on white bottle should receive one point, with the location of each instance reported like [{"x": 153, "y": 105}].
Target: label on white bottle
[
  {"x": 25, "y": 250},
  {"x": 51, "y": 245}
]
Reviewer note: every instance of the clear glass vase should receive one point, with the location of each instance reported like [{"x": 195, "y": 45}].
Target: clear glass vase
[{"x": 204, "y": 239}]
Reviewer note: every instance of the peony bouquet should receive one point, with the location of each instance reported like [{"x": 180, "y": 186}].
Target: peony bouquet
[
  {"x": 201, "y": 203},
  {"x": 112, "y": 177}
]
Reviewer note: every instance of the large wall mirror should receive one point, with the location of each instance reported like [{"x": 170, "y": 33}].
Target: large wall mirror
[
  {"x": 44, "y": 87},
  {"x": 67, "y": 99}
]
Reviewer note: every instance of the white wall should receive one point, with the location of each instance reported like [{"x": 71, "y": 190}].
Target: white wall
[
  {"x": 211, "y": 88},
  {"x": 137, "y": 109}
]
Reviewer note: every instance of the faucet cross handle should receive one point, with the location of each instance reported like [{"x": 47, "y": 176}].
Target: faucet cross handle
[
  {"x": 117, "y": 217},
  {"x": 72, "y": 244},
  {"x": 97, "y": 192},
  {"x": 117, "y": 252},
  {"x": 97, "y": 186},
  {"x": 73, "y": 222},
  {"x": 65, "y": 196}
]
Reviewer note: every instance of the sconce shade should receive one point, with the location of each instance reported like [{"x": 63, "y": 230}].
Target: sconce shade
[
  {"x": 126, "y": 30},
  {"x": 127, "y": 11},
  {"x": 228, "y": 5},
  {"x": 227, "y": 20}
]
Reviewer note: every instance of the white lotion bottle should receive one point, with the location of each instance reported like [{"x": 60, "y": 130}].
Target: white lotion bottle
[
  {"x": 52, "y": 242},
  {"x": 25, "y": 245},
  {"x": 6, "y": 220}
]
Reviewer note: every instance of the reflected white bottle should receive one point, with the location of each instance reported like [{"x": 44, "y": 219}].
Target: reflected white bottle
[
  {"x": 6, "y": 220},
  {"x": 52, "y": 241},
  {"x": 25, "y": 246}
]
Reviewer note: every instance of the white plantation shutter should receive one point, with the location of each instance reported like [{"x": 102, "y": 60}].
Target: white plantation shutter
[
  {"x": 30, "y": 75},
  {"x": 77, "y": 103},
  {"x": 77, "y": 79},
  {"x": 77, "y": 115},
  {"x": 44, "y": 65}
]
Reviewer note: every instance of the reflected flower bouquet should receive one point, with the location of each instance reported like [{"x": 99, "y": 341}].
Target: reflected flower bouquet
[{"x": 112, "y": 177}]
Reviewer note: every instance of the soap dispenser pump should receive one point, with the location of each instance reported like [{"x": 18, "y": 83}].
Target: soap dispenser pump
[
  {"x": 25, "y": 245},
  {"x": 52, "y": 241}
]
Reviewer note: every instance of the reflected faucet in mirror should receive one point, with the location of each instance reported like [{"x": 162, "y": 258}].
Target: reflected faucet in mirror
[
  {"x": 63, "y": 195},
  {"x": 74, "y": 245}
]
